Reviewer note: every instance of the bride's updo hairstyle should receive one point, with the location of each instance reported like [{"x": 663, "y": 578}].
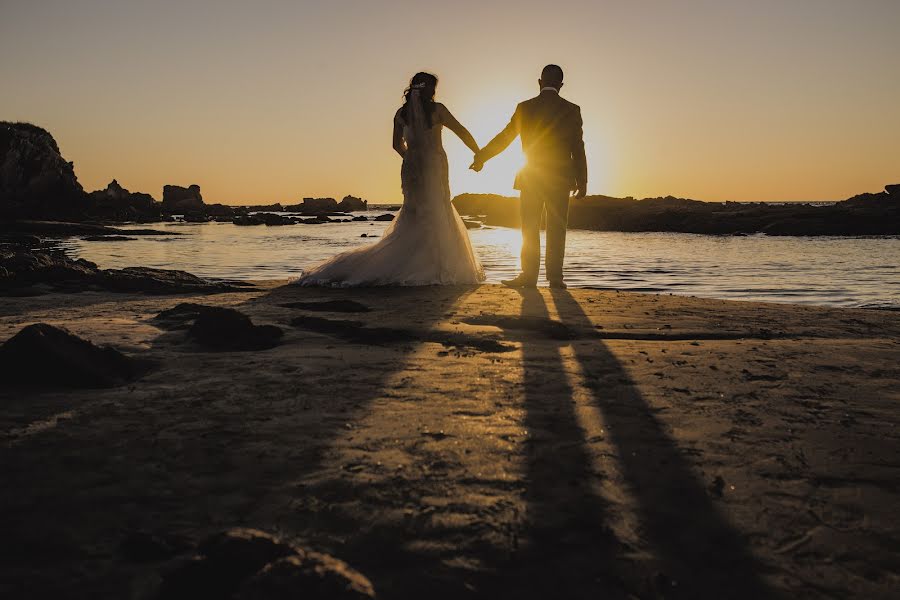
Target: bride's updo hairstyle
[{"x": 425, "y": 84}]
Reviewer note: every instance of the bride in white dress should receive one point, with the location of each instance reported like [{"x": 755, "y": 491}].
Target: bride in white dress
[{"x": 427, "y": 244}]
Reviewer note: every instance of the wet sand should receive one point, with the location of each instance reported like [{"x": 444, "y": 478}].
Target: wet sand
[{"x": 472, "y": 442}]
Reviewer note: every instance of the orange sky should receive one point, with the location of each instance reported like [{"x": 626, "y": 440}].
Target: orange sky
[{"x": 272, "y": 101}]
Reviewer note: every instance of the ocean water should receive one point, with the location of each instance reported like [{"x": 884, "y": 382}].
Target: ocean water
[{"x": 834, "y": 271}]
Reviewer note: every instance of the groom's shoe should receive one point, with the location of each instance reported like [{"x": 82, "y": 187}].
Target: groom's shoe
[
  {"x": 519, "y": 282},
  {"x": 558, "y": 285}
]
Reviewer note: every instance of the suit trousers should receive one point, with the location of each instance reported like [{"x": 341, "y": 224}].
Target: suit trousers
[{"x": 534, "y": 200}]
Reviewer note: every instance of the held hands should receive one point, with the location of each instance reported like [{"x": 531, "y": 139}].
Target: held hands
[{"x": 477, "y": 162}]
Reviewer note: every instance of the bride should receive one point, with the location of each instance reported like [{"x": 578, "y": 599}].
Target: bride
[{"x": 427, "y": 244}]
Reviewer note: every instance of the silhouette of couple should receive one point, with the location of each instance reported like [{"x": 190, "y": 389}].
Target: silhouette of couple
[{"x": 428, "y": 244}]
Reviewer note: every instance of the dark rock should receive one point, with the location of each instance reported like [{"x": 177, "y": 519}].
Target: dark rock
[
  {"x": 472, "y": 224},
  {"x": 360, "y": 218},
  {"x": 180, "y": 200},
  {"x": 227, "y": 329},
  {"x": 264, "y": 219},
  {"x": 24, "y": 268},
  {"x": 44, "y": 355},
  {"x": 307, "y": 575},
  {"x": 352, "y": 203},
  {"x": 277, "y": 207},
  {"x": 384, "y": 217},
  {"x": 244, "y": 551},
  {"x": 160, "y": 281},
  {"x": 118, "y": 204},
  {"x": 319, "y": 205},
  {"x": 250, "y": 564},
  {"x": 64, "y": 229},
  {"x": 246, "y": 220},
  {"x": 35, "y": 180},
  {"x": 219, "y": 210},
  {"x": 179, "y": 316},
  {"x": 866, "y": 214},
  {"x": 108, "y": 238},
  {"x": 195, "y": 218},
  {"x": 273, "y": 219}
]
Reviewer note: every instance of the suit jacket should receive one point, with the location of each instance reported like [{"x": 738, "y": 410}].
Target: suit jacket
[{"x": 552, "y": 140}]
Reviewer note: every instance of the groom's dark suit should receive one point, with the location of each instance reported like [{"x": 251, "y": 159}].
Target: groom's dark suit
[{"x": 552, "y": 139}]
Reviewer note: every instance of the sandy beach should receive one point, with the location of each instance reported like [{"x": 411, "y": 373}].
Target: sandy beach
[{"x": 471, "y": 442}]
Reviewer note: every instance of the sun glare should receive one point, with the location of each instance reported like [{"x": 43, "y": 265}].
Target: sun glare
[{"x": 499, "y": 173}]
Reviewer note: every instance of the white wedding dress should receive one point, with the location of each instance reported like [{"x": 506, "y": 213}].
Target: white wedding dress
[{"x": 427, "y": 244}]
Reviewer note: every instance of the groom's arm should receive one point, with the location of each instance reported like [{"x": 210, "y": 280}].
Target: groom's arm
[
  {"x": 578, "y": 156},
  {"x": 503, "y": 139}
]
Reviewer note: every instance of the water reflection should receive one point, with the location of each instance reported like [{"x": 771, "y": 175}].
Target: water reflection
[{"x": 832, "y": 271}]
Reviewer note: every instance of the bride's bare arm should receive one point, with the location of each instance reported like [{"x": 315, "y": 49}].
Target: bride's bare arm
[
  {"x": 456, "y": 127},
  {"x": 398, "y": 143}
]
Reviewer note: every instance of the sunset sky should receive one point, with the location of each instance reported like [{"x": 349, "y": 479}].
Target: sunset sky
[{"x": 270, "y": 101}]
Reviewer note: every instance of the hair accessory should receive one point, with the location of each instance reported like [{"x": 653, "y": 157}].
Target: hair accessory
[{"x": 418, "y": 86}]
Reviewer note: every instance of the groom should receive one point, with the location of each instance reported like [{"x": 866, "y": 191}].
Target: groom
[{"x": 555, "y": 165}]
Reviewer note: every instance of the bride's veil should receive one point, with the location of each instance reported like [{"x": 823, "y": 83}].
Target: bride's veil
[{"x": 418, "y": 139}]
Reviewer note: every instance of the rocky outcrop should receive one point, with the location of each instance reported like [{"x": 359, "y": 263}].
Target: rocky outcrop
[
  {"x": 115, "y": 203},
  {"x": 248, "y": 564},
  {"x": 23, "y": 269},
  {"x": 384, "y": 217},
  {"x": 219, "y": 328},
  {"x": 227, "y": 329},
  {"x": 181, "y": 200},
  {"x": 35, "y": 180},
  {"x": 46, "y": 356},
  {"x": 866, "y": 214},
  {"x": 352, "y": 203},
  {"x": 264, "y": 219},
  {"x": 314, "y": 206}
]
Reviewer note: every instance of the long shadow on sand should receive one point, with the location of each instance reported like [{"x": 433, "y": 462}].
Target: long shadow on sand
[
  {"x": 699, "y": 554},
  {"x": 568, "y": 552}
]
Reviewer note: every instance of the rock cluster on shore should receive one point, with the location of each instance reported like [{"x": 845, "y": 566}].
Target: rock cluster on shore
[
  {"x": 865, "y": 214},
  {"x": 36, "y": 182},
  {"x": 33, "y": 271}
]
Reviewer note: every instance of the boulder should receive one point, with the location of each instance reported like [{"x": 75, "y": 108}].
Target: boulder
[
  {"x": 248, "y": 564},
  {"x": 245, "y": 220},
  {"x": 385, "y": 217},
  {"x": 35, "y": 180},
  {"x": 44, "y": 355},
  {"x": 118, "y": 204},
  {"x": 360, "y": 218},
  {"x": 307, "y": 574},
  {"x": 219, "y": 210},
  {"x": 22, "y": 267},
  {"x": 318, "y": 205},
  {"x": 352, "y": 203},
  {"x": 273, "y": 219},
  {"x": 160, "y": 281},
  {"x": 177, "y": 199},
  {"x": 227, "y": 329}
]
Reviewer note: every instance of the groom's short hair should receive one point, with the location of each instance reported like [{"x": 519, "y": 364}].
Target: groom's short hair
[{"x": 552, "y": 74}]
